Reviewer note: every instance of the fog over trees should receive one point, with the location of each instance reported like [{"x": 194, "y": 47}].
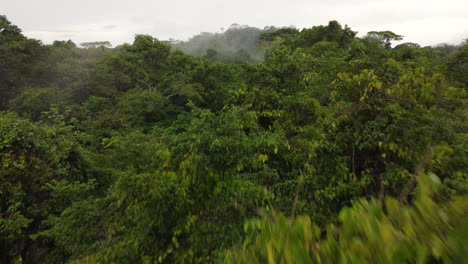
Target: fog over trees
[{"x": 273, "y": 145}]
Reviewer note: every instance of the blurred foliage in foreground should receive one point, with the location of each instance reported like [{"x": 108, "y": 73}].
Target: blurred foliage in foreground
[
  {"x": 144, "y": 154},
  {"x": 427, "y": 230}
]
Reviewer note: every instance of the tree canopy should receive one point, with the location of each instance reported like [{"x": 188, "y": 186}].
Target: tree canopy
[{"x": 277, "y": 145}]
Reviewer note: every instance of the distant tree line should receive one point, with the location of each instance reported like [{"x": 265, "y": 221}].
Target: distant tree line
[{"x": 268, "y": 146}]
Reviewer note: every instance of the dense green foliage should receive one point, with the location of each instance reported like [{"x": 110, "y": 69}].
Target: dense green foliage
[
  {"x": 318, "y": 153},
  {"x": 369, "y": 232}
]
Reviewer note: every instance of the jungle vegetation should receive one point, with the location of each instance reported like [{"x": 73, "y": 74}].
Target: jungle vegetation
[{"x": 265, "y": 146}]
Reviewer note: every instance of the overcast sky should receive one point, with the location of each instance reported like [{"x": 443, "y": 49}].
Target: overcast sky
[{"x": 426, "y": 22}]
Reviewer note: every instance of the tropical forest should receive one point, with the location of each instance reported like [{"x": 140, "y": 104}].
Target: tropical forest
[{"x": 272, "y": 145}]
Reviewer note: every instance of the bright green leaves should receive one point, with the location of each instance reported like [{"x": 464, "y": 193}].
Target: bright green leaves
[
  {"x": 262, "y": 158},
  {"x": 230, "y": 140},
  {"x": 413, "y": 87},
  {"x": 363, "y": 87},
  {"x": 176, "y": 152},
  {"x": 389, "y": 232}
]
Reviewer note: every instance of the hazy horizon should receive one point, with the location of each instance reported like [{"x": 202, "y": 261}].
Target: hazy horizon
[{"x": 423, "y": 22}]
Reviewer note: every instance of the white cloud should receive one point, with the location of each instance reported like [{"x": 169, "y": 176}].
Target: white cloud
[{"x": 423, "y": 21}]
